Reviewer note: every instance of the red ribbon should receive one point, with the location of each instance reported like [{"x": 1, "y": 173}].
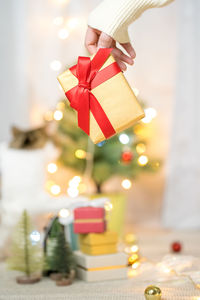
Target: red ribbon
[{"x": 81, "y": 97}]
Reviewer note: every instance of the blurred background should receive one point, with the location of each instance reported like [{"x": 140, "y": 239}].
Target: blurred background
[{"x": 39, "y": 40}]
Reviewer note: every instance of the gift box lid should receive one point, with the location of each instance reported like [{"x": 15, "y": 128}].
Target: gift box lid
[
  {"x": 94, "y": 239},
  {"x": 89, "y": 213},
  {"x": 107, "y": 260}
]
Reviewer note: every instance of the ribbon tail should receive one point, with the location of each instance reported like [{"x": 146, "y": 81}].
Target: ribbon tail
[
  {"x": 101, "y": 117},
  {"x": 84, "y": 111}
]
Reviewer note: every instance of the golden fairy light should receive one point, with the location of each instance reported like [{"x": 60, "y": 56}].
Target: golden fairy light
[
  {"x": 135, "y": 265},
  {"x": 49, "y": 184},
  {"x": 108, "y": 206},
  {"x": 81, "y": 154},
  {"x": 52, "y": 168},
  {"x": 60, "y": 105},
  {"x": 126, "y": 184},
  {"x": 55, "y": 189},
  {"x": 140, "y": 148},
  {"x": 143, "y": 160},
  {"x": 150, "y": 114},
  {"x": 82, "y": 188},
  {"x": 58, "y": 115},
  {"x": 134, "y": 248},
  {"x": 130, "y": 238},
  {"x": 48, "y": 116},
  {"x": 73, "y": 192},
  {"x": 64, "y": 213}
]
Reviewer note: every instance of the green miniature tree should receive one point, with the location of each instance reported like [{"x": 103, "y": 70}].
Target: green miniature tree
[
  {"x": 50, "y": 244},
  {"x": 26, "y": 256},
  {"x": 62, "y": 257},
  {"x": 110, "y": 158}
]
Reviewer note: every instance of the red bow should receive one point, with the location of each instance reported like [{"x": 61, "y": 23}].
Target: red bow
[{"x": 81, "y": 97}]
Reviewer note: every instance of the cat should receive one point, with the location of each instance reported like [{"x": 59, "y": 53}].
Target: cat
[{"x": 28, "y": 139}]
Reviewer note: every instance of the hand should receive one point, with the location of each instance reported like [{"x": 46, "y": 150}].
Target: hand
[{"x": 96, "y": 39}]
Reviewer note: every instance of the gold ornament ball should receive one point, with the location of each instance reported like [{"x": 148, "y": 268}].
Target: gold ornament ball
[{"x": 153, "y": 292}]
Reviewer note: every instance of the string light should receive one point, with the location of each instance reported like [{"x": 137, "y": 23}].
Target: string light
[
  {"x": 58, "y": 21},
  {"x": 150, "y": 114},
  {"x": 108, "y": 206},
  {"x": 76, "y": 179},
  {"x": 35, "y": 237},
  {"x": 63, "y": 33},
  {"x": 55, "y": 65},
  {"x": 58, "y": 115},
  {"x": 48, "y": 116},
  {"x": 60, "y": 105},
  {"x": 134, "y": 248},
  {"x": 143, "y": 160},
  {"x": 73, "y": 192},
  {"x": 72, "y": 23},
  {"x": 135, "y": 265},
  {"x": 81, "y": 154},
  {"x": 140, "y": 148},
  {"x": 64, "y": 213},
  {"x": 82, "y": 188},
  {"x": 130, "y": 238},
  {"x": 55, "y": 189},
  {"x": 52, "y": 168},
  {"x": 126, "y": 184},
  {"x": 124, "y": 138}
]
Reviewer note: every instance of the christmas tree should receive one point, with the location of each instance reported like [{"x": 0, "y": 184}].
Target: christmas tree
[
  {"x": 123, "y": 154},
  {"x": 50, "y": 242},
  {"x": 62, "y": 256},
  {"x": 25, "y": 253}
]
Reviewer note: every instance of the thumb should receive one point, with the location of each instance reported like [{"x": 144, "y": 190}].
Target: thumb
[{"x": 105, "y": 41}]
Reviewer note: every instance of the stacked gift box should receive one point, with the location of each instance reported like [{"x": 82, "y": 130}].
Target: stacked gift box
[{"x": 98, "y": 258}]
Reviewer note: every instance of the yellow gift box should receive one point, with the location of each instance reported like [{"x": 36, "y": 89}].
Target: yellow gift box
[
  {"x": 115, "y": 97},
  {"x": 98, "y": 243}
]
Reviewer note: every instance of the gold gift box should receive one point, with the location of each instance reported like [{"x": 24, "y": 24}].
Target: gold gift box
[
  {"x": 116, "y": 98},
  {"x": 98, "y": 243}
]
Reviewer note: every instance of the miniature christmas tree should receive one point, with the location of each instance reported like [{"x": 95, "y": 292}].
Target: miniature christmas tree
[
  {"x": 62, "y": 260},
  {"x": 123, "y": 154},
  {"x": 50, "y": 242},
  {"x": 25, "y": 254}
]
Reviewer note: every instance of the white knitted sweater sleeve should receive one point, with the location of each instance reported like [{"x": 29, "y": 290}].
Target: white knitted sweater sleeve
[{"x": 114, "y": 16}]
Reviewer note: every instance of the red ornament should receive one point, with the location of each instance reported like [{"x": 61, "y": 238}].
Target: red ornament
[
  {"x": 176, "y": 247},
  {"x": 127, "y": 156}
]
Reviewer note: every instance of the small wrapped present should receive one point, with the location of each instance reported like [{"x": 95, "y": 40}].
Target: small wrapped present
[
  {"x": 98, "y": 243},
  {"x": 89, "y": 219},
  {"x": 97, "y": 89},
  {"x": 102, "y": 267}
]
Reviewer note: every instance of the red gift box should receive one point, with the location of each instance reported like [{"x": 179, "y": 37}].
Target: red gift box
[{"x": 89, "y": 219}]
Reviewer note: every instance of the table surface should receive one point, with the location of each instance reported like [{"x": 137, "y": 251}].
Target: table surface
[{"x": 152, "y": 244}]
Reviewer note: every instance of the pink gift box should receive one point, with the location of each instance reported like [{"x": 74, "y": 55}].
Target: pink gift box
[{"x": 89, "y": 219}]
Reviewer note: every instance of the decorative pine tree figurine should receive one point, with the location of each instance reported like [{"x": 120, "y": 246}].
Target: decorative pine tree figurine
[
  {"x": 50, "y": 241},
  {"x": 63, "y": 261},
  {"x": 26, "y": 256}
]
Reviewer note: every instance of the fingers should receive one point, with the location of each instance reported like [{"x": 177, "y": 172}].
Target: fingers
[
  {"x": 105, "y": 41},
  {"x": 91, "y": 40},
  {"x": 117, "y": 53},
  {"x": 129, "y": 49}
]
